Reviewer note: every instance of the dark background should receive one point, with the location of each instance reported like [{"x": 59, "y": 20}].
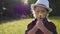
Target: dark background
[{"x": 16, "y": 9}]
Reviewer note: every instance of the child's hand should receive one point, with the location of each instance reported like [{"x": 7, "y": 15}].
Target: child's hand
[{"x": 39, "y": 24}]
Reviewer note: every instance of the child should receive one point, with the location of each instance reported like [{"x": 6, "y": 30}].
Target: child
[{"x": 41, "y": 25}]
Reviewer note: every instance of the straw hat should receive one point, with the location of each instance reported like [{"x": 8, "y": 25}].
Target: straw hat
[{"x": 42, "y": 3}]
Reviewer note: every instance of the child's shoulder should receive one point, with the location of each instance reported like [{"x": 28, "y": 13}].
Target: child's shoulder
[
  {"x": 52, "y": 24},
  {"x": 33, "y": 22}
]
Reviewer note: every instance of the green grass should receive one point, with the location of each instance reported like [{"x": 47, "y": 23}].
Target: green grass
[{"x": 19, "y": 26}]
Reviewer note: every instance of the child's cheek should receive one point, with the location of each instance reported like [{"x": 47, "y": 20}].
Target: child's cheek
[{"x": 44, "y": 14}]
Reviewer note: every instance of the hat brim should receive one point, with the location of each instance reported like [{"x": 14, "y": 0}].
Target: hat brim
[{"x": 33, "y": 5}]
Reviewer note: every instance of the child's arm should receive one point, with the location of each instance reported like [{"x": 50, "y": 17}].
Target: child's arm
[
  {"x": 31, "y": 28},
  {"x": 41, "y": 26},
  {"x": 32, "y": 31}
]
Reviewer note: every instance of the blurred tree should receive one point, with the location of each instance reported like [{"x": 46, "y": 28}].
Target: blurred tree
[
  {"x": 55, "y": 4},
  {"x": 13, "y": 9}
]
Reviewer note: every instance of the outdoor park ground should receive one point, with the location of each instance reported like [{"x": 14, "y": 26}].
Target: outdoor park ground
[{"x": 19, "y": 26}]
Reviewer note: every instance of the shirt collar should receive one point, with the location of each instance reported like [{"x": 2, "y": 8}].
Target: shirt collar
[{"x": 44, "y": 19}]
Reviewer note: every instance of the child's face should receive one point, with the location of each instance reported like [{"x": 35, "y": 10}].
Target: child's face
[{"x": 40, "y": 10}]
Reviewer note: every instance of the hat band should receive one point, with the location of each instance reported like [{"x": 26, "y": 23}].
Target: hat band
[{"x": 42, "y": 5}]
